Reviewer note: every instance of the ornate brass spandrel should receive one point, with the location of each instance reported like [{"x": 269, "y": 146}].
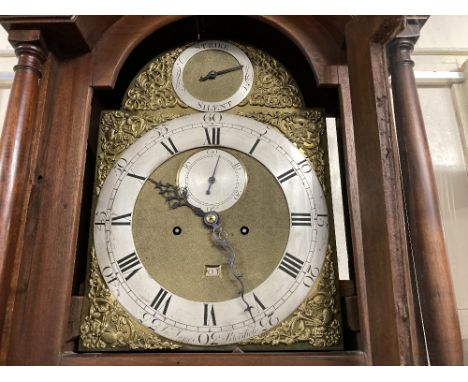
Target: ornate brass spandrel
[
  {"x": 273, "y": 86},
  {"x": 108, "y": 326},
  {"x": 152, "y": 87},
  {"x": 118, "y": 130},
  {"x": 306, "y": 129},
  {"x": 316, "y": 321}
]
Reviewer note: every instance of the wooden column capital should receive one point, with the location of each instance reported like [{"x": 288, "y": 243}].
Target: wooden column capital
[
  {"x": 30, "y": 50},
  {"x": 30, "y": 57},
  {"x": 402, "y": 45},
  {"x": 400, "y": 49}
]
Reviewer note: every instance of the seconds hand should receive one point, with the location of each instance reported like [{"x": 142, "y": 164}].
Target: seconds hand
[{"x": 212, "y": 179}]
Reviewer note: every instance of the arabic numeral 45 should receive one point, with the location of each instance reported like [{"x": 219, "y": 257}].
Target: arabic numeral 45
[
  {"x": 109, "y": 275},
  {"x": 100, "y": 220},
  {"x": 120, "y": 165}
]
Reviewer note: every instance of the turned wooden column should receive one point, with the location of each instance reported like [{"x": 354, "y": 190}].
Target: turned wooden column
[
  {"x": 426, "y": 240},
  {"x": 15, "y": 167}
]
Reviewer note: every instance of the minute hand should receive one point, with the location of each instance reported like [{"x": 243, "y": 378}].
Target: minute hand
[{"x": 212, "y": 74}]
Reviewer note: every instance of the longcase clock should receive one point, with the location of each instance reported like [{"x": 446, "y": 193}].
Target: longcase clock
[{"x": 165, "y": 195}]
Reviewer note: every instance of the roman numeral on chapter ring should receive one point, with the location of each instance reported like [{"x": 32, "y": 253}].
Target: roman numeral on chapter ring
[
  {"x": 136, "y": 176},
  {"x": 129, "y": 264},
  {"x": 259, "y": 303},
  {"x": 209, "y": 315},
  {"x": 122, "y": 219},
  {"x": 125, "y": 219},
  {"x": 291, "y": 265},
  {"x": 254, "y": 146},
  {"x": 301, "y": 219},
  {"x": 170, "y": 147},
  {"x": 162, "y": 300},
  {"x": 287, "y": 175},
  {"x": 213, "y": 136}
]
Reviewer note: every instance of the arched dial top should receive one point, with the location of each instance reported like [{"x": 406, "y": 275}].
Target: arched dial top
[{"x": 235, "y": 317}]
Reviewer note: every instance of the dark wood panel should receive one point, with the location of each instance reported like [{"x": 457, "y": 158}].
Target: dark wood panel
[
  {"x": 273, "y": 359},
  {"x": 381, "y": 280},
  {"x": 352, "y": 202},
  {"x": 323, "y": 54},
  {"x": 66, "y": 36},
  {"x": 117, "y": 43},
  {"x": 53, "y": 218}
]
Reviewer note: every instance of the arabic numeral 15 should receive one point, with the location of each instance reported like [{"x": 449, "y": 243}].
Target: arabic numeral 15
[{"x": 311, "y": 275}]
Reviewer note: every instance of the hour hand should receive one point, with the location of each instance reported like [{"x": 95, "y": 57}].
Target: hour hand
[
  {"x": 212, "y": 74},
  {"x": 175, "y": 196}
]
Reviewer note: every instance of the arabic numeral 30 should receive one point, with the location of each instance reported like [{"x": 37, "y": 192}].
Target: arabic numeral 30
[
  {"x": 120, "y": 165},
  {"x": 269, "y": 321},
  {"x": 208, "y": 338}
]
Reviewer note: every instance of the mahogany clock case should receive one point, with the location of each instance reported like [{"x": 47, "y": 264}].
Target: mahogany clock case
[{"x": 85, "y": 64}]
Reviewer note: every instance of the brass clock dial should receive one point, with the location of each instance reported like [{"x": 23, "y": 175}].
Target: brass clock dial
[
  {"x": 211, "y": 228},
  {"x": 211, "y": 282},
  {"x": 212, "y": 76}
]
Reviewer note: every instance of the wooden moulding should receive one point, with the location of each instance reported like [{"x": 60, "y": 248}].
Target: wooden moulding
[
  {"x": 323, "y": 55},
  {"x": 70, "y": 36},
  {"x": 351, "y": 358},
  {"x": 115, "y": 46}
]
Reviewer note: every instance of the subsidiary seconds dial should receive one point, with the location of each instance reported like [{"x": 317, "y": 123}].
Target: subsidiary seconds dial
[{"x": 214, "y": 179}]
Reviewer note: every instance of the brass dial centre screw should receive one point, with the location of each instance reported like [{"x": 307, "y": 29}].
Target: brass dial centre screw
[{"x": 211, "y": 218}]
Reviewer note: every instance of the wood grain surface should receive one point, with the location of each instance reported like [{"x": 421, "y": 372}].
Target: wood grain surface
[
  {"x": 17, "y": 158},
  {"x": 427, "y": 247}
]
